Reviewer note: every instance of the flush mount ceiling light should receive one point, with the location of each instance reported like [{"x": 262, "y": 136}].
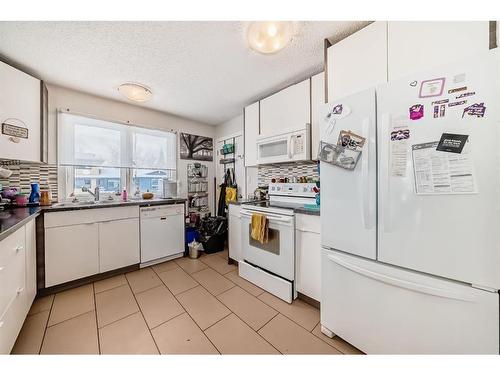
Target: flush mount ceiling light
[
  {"x": 269, "y": 36},
  {"x": 135, "y": 92}
]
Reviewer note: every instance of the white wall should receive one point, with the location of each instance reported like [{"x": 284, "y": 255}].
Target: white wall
[
  {"x": 75, "y": 101},
  {"x": 230, "y": 127}
]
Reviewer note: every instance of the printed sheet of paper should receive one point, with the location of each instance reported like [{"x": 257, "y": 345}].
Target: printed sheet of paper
[
  {"x": 400, "y": 135},
  {"x": 438, "y": 172}
]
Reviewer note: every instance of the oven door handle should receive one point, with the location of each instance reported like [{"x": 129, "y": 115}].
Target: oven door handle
[{"x": 273, "y": 217}]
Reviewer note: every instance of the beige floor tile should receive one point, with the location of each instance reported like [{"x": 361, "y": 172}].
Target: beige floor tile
[
  {"x": 115, "y": 304},
  {"x": 191, "y": 265},
  {"x": 250, "y": 309},
  {"x": 218, "y": 263},
  {"x": 71, "y": 303},
  {"x": 41, "y": 304},
  {"x": 177, "y": 280},
  {"x": 339, "y": 344},
  {"x": 142, "y": 280},
  {"x": 181, "y": 335},
  {"x": 112, "y": 282},
  {"x": 213, "y": 281},
  {"x": 232, "y": 336},
  {"x": 245, "y": 284},
  {"x": 127, "y": 336},
  {"x": 74, "y": 336},
  {"x": 165, "y": 266},
  {"x": 204, "y": 308},
  {"x": 224, "y": 254},
  {"x": 290, "y": 338},
  {"x": 158, "y": 305},
  {"x": 30, "y": 338},
  {"x": 300, "y": 312}
]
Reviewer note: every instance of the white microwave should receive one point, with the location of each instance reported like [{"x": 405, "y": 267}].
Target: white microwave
[{"x": 292, "y": 145}]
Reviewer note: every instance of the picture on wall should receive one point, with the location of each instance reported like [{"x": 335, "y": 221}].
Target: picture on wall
[{"x": 196, "y": 147}]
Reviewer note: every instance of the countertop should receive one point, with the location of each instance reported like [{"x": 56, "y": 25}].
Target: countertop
[
  {"x": 12, "y": 219},
  {"x": 138, "y": 202}
]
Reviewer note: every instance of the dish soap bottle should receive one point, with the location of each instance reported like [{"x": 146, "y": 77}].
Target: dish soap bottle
[{"x": 124, "y": 195}]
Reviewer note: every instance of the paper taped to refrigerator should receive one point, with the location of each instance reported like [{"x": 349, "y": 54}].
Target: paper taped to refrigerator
[
  {"x": 438, "y": 172},
  {"x": 400, "y": 135}
]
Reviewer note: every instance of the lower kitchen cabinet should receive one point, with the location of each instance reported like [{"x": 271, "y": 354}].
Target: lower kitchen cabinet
[
  {"x": 71, "y": 252},
  {"x": 118, "y": 244},
  {"x": 83, "y": 243},
  {"x": 17, "y": 282},
  {"x": 234, "y": 227},
  {"x": 308, "y": 255}
]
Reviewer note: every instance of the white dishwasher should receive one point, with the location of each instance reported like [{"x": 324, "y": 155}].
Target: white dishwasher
[{"x": 162, "y": 233}]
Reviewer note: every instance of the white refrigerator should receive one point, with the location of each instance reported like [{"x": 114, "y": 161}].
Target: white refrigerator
[{"x": 411, "y": 235}]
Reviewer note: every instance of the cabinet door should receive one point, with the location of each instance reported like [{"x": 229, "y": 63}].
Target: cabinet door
[
  {"x": 235, "y": 251},
  {"x": 30, "y": 262},
  {"x": 118, "y": 244},
  {"x": 71, "y": 253},
  {"x": 20, "y": 107},
  {"x": 317, "y": 101},
  {"x": 358, "y": 62},
  {"x": 289, "y": 108},
  {"x": 308, "y": 247},
  {"x": 251, "y": 133},
  {"x": 417, "y": 46}
]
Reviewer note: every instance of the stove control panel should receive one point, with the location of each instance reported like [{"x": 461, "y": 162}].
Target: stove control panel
[{"x": 294, "y": 189}]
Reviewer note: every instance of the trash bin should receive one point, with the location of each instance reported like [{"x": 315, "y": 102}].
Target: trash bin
[{"x": 195, "y": 250}]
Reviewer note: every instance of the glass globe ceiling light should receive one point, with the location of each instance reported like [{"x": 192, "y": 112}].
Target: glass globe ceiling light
[
  {"x": 135, "y": 92},
  {"x": 269, "y": 36}
]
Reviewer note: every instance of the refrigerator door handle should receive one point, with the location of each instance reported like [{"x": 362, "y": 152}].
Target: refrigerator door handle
[
  {"x": 387, "y": 219},
  {"x": 405, "y": 284},
  {"x": 365, "y": 155}
]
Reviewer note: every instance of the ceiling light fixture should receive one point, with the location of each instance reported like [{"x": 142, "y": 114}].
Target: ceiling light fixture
[
  {"x": 135, "y": 92},
  {"x": 269, "y": 36}
]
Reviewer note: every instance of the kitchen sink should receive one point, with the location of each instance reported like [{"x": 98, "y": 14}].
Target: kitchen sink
[{"x": 83, "y": 203}]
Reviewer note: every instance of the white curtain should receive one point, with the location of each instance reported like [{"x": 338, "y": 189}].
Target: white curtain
[{"x": 84, "y": 141}]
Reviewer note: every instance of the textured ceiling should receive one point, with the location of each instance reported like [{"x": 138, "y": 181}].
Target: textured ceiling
[{"x": 204, "y": 71}]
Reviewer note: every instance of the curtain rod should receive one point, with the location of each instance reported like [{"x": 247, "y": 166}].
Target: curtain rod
[{"x": 126, "y": 122}]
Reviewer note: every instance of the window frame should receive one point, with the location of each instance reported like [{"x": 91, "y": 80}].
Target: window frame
[{"x": 66, "y": 172}]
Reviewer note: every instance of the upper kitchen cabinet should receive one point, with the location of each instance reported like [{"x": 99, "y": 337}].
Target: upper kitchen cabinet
[
  {"x": 416, "y": 46},
  {"x": 251, "y": 129},
  {"x": 358, "y": 61},
  {"x": 289, "y": 108},
  {"x": 317, "y": 101},
  {"x": 20, "y": 137}
]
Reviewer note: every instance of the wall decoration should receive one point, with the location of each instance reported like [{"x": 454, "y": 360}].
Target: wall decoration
[{"x": 196, "y": 147}]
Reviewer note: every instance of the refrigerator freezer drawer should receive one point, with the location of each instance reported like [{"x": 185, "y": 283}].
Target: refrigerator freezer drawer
[{"x": 386, "y": 310}]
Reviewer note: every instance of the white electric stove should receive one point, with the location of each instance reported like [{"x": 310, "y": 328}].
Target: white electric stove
[{"x": 271, "y": 266}]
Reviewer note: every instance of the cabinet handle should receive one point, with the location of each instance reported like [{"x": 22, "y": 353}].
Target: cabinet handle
[
  {"x": 2, "y": 268},
  {"x": 20, "y": 290},
  {"x": 1, "y": 324},
  {"x": 19, "y": 248}
]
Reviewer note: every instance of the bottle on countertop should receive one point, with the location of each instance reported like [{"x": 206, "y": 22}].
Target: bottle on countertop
[{"x": 124, "y": 195}]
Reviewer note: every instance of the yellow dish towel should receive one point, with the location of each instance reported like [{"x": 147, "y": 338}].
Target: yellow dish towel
[{"x": 260, "y": 229}]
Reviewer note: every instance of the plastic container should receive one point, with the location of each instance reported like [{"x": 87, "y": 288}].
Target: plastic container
[{"x": 195, "y": 250}]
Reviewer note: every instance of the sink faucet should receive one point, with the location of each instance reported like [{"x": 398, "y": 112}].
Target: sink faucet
[{"x": 95, "y": 194}]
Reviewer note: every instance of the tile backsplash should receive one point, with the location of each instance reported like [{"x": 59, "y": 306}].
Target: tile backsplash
[
  {"x": 23, "y": 174},
  {"x": 303, "y": 169}
]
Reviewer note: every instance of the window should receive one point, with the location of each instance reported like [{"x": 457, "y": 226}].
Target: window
[{"x": 96, "y": 153}]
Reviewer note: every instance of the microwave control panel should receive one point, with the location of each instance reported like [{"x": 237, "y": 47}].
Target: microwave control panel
[{"x": 298, "y": 144}]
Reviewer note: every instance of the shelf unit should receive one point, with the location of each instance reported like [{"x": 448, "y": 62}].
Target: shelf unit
[{"x": 197, "y": 176}]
